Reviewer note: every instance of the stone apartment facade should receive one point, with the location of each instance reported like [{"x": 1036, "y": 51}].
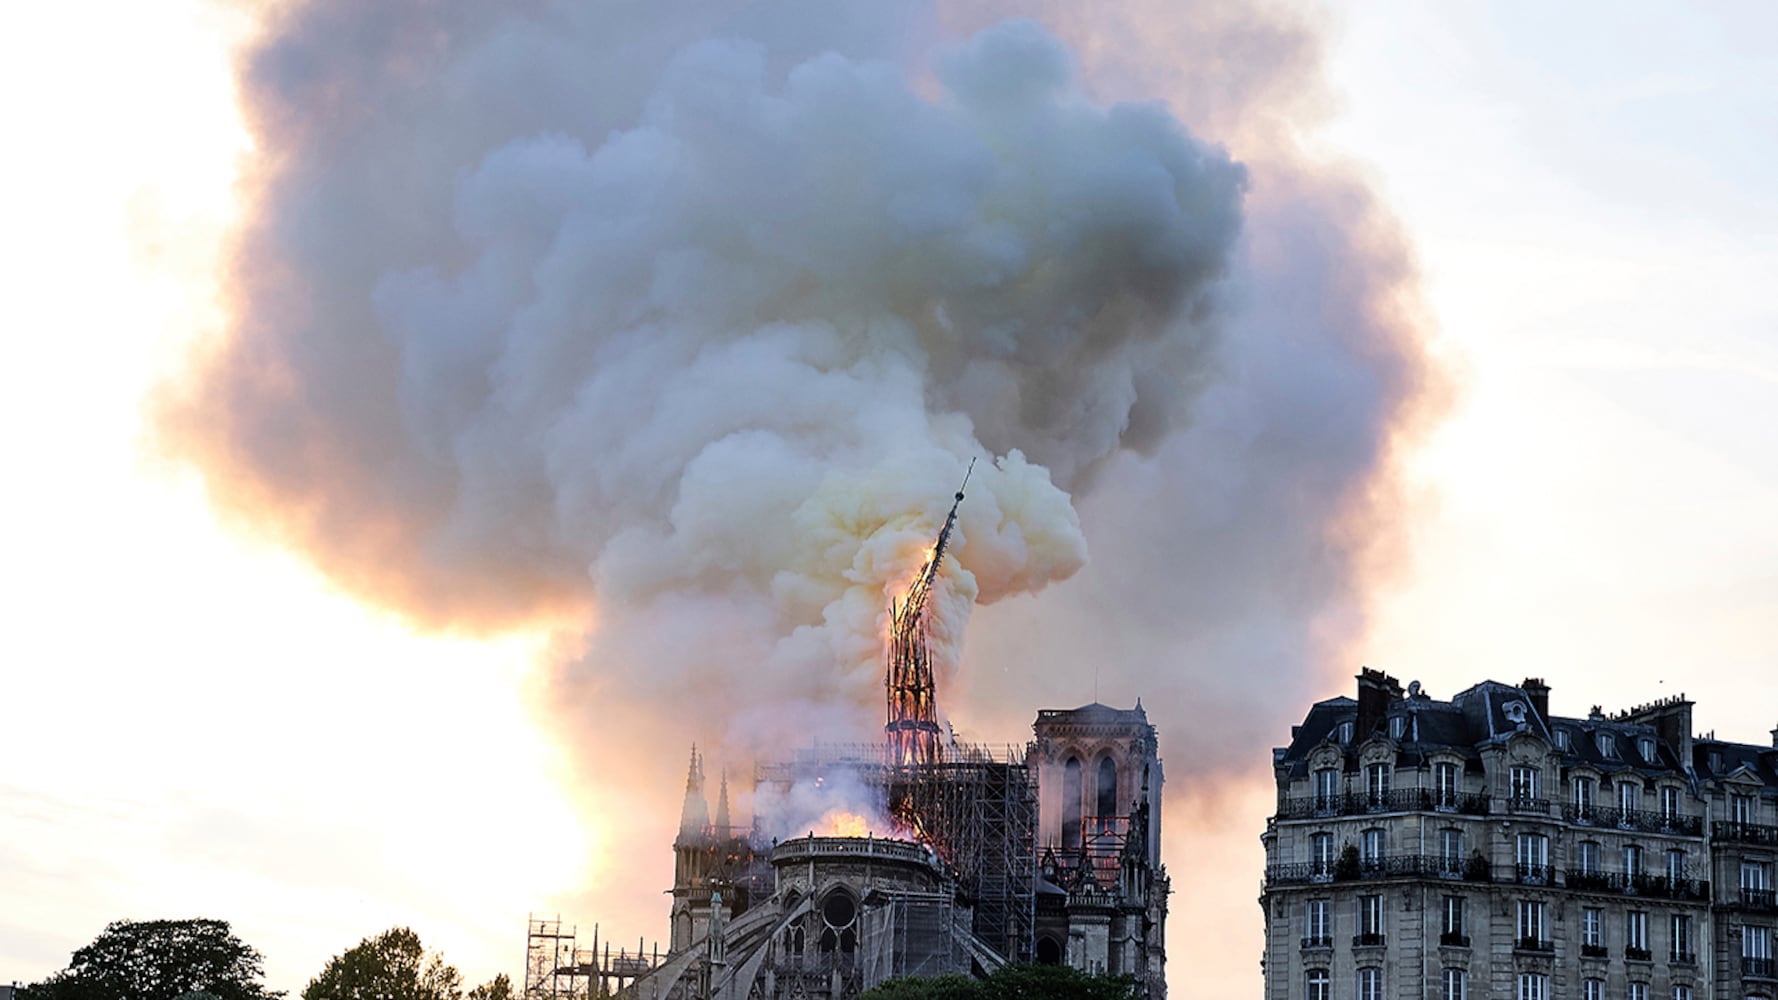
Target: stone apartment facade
[{"x": 1481, "y": 848}]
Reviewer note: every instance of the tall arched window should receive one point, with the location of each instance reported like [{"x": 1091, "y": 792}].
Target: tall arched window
[
  {"x": 1107, "y": 789},
  {"x": 1071, "y": 803}
]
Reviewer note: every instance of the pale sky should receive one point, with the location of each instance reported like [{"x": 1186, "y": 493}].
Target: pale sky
[{"x": 194, "y": 724}]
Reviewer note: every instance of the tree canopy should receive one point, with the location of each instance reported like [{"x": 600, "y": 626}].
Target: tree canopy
[
  {"x": 498, "y": 988},
  {"x": 1011, "y": 982},
  {"x": 391, "y": 966},
  {"x": 159, "y": 960}
]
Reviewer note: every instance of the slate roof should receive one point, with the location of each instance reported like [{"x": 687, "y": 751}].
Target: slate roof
[{"x": 1481, "y": 715}]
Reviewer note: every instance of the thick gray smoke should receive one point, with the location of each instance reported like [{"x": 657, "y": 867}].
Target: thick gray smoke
[{"x": 673, "y": 326}]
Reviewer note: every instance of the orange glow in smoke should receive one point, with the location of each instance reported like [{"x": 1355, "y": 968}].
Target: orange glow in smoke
[{"x": 843, "y": 824}]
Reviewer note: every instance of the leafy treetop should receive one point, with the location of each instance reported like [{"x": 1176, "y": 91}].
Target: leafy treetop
[
  {"x": 391, "y": 966},
  {"x": 159, "y": 960}
]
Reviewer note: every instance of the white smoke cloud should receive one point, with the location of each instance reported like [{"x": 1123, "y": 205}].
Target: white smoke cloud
[
  {"x": 678, "y": 323},
  {"x": 741, "y": 352}
]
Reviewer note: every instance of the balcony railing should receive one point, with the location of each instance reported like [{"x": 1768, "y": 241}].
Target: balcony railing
[
  {"x": 1639, "y": 885},
  {"x": 1758, "y": 968},
  {"x": 1324, "y": 941},
  {"x": 1367, "y": 940},
  {"x": 1534, "y": 874},
  {"x": 1761, "y": 900},
  {"x": 1525, "y": 804},
  {"x": 1634, "y": 819},
  {"x": 1534, "y": 944},
  {"x": 1394, "y": 800},
  {"x": 1450, "y": 939},
  {"x": 1638, "y": 955},
  {"x": 1683, "y": 957},
  {"x": 1594, "y": 951},
  {"x": 1399, "y": 866},
  {"x": 1745, "y": 833}
]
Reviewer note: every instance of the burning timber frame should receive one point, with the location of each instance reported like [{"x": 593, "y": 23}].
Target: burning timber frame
[{"x": 912, "y": 728}]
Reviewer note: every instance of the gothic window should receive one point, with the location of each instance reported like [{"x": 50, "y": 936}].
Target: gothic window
[
  {"x": 1071, "y": 804},
  {"x": 1107, "y": 788}
]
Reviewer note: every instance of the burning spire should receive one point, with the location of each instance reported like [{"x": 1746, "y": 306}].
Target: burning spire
[{"x": 912, "y": 727}]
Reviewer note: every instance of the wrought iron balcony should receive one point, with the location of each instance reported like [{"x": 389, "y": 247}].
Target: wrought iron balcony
[
  {"x": 1683, "y": 957},
  {"x": 1534, "y": 874},
  {"x": 1639, "y": 885},
  {"x": 1324, "y": 941},
  {"x": 1760, "y": 900},
  {"x": 1638, "y": 955},
  {"x": 1526, "y": 804},
  {"x": 1450, "y": 939},
  {"x": 1394, "y": 800},
  {"x": 1758, "y": 968},
  {"x": 1594, "y": 951},
  {"x": 1745, "y": 833},
  {"x": 1534, "y": 944},
  {"x": 1399, "y": 866},
  {"x": 1367, "y": 940},
  {"x": 1634, "y": 819}
]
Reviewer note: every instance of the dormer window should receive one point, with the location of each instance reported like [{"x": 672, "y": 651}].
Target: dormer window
[
  {"x": 1607, "y": 745},
  {"x": 1396, "y": 726},
  {"x": 1562, "y": 740},
  {"x": 1345, "y": 732},
  {"x": 1716, "y": 762},
  {"x": 1647, "y": 748}
]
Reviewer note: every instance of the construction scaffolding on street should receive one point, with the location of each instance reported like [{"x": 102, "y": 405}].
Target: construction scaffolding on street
[{"x": 555, "y": 969}]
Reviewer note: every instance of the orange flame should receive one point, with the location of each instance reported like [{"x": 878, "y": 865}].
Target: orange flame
[{"x": 840, "y": 823}]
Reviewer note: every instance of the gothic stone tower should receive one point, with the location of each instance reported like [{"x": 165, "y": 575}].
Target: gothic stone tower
[{"x": 1102, "y": 896}]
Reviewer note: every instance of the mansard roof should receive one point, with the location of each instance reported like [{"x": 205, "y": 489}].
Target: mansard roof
[
  {"x": 1486, "y": 714},
  {"x": 1716, "y": 760}
]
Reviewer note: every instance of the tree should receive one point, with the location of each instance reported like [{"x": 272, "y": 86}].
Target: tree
[
  {"x": 498, "y": 988},
  {"x": 1010, "y": 982},
  {"x": 159, "y": 960},
  {"x": 391, "y": 966}
]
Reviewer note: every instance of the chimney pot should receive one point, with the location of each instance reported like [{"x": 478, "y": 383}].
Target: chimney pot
[{"x": 1539, "y": 693}]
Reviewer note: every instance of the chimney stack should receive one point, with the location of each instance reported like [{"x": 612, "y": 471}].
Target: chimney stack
[
  {"x": 1376, "y": 690},
  {"x": 1539, "y": 693},
  {"x": 1775, "y": 737}
]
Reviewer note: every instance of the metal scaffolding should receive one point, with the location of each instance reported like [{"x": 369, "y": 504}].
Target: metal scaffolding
[
  {"x": 555, "y": 969},
  {"x": 977, "y": 810}
]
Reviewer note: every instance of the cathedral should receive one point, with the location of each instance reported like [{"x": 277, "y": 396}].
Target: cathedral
[
  {"x": 930, "y": 858},
  {"x": 1050, "y": 855}
]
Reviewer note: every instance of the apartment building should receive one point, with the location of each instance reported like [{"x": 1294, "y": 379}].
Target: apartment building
[{"x": 1479, "y": 847}]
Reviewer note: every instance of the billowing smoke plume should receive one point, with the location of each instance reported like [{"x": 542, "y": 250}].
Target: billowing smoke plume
[{"x": 673, "y": 327}]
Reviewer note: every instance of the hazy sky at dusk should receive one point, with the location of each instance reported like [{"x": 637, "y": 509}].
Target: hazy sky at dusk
[{"x": 194, "y": 724}]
